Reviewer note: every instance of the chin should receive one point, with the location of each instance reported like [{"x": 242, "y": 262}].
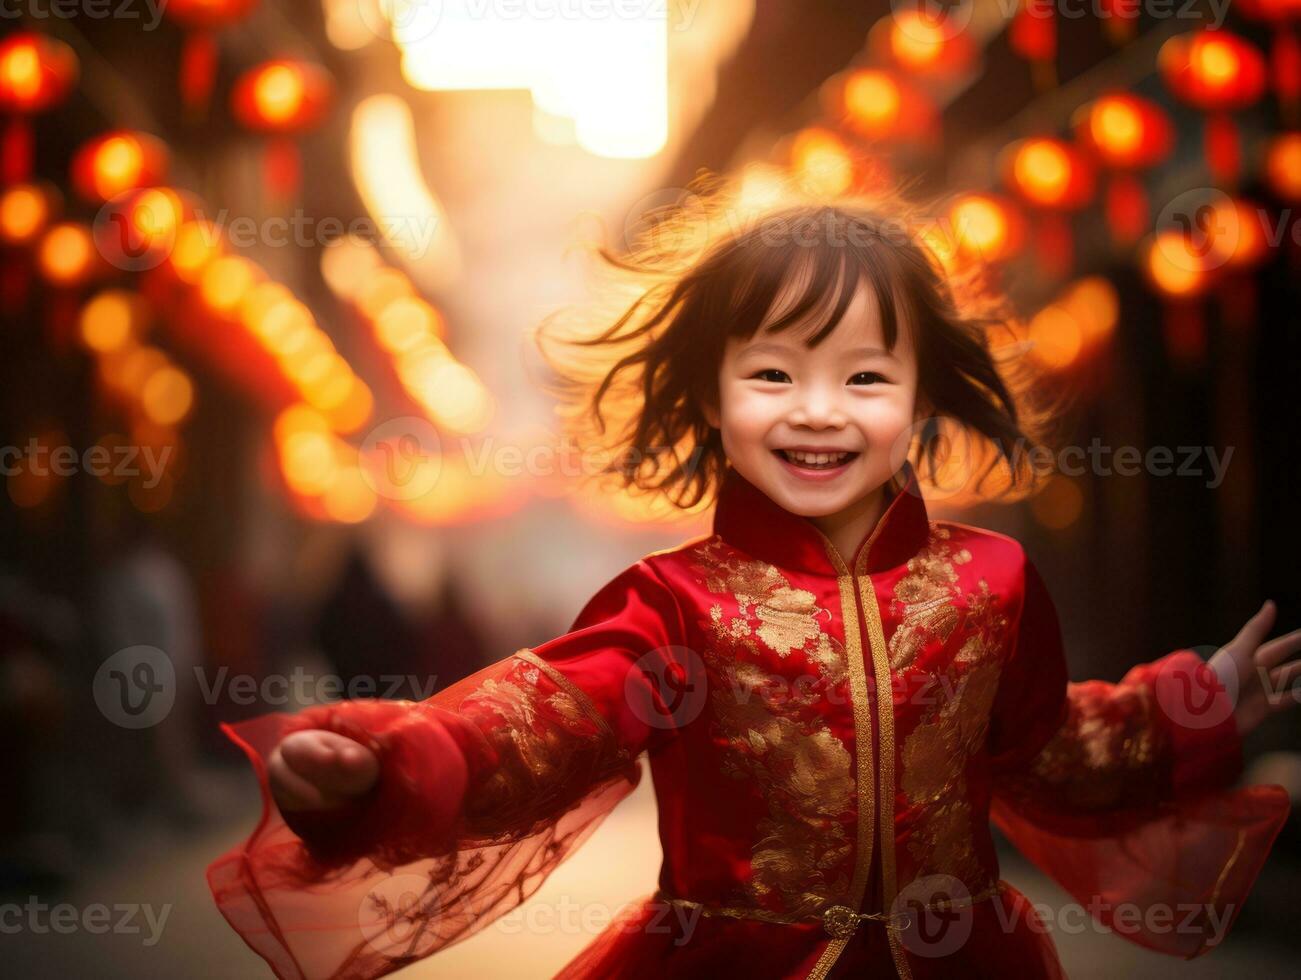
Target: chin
[{"x": 809, "y": 502}]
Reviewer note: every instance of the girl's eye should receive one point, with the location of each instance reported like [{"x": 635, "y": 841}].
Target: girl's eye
[
  {"x": 872, "y": 377},
  {"x": 772, "y": 374}
]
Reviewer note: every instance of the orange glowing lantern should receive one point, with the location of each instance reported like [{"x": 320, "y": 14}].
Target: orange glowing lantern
[
  {"x": 282, "y": 99},
  {"x": 202, "y": 19},
  {"x": 1048, "y": 173},
  {"x": 25, "y": 210},
  {"x": 1218, "y": 72},
  {"x": 1181, "y": 270},
  {"x": 116, "y": 162},
  {"x": 822, "y": 161},
  {"x": 878, "y": 105},
  {"x": 137, "y": 229},
  {"x": 1054, "y": 177},
  {"x": 1126, "y": 133},
  {"x": 66, "y": 255},
  {"x": 36, "y": 74},
  {"x": 1283, "y": 166},
  {"x": 922, "y": 41},
  {"x": 985, "y": 228}
]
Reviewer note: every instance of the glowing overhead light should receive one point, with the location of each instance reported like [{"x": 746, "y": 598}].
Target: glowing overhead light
[
  {"x": 117, "y": 162},
  {"x": 457, "y": 398},
  {"x": 226, "y": 281},
  {"x": 66, "y": 254},
  {"x": 1174, "y": 266},
  {"x": 348, "y": 23},
  {"x": 984, "y": 227},
  {"x": 383, "y": 287},
  {"x": 872, "y": 99},
  {"x": 167, "y": 396},
  {"x": 609, "y": 73},
  {"x": 1283, "y": 166},
  {"x": 346, "y": 265},
  {"x": 110, "y": 320},
  {"x": 822, "y": 162},
  {"x": 386, "y": 168},
  {"x": 24, "y": 210},
  {"x": 195, "y": 246}
]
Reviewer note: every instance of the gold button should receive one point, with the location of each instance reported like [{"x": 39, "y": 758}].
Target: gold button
[{"x": 839, "y": 921}]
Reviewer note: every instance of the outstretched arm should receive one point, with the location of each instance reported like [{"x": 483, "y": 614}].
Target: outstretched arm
[
  {"x": 1123, "y": 793},
  {"x": 479, "y": 793}
]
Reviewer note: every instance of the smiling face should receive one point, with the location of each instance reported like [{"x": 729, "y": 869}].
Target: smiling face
[{"x": 820, "y": 430}]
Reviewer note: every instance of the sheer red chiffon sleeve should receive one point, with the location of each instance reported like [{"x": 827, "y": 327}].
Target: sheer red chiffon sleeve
[
  {"x": 1123, "y": 793},
  {"x": 484, "y": 789}
]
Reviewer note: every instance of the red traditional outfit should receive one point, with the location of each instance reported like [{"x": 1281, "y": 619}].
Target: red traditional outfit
[{"x": 829, "y": 740}]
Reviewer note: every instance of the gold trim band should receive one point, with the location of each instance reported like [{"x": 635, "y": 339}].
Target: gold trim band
[
  {"x": 581, "y": 698},
  {"x": 839, "y": 921}
]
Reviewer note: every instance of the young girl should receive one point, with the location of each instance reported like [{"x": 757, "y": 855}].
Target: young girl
[{"x": 836, "y": 691}]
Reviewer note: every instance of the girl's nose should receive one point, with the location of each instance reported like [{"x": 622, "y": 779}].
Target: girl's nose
[{"x": 817, "y": 410}]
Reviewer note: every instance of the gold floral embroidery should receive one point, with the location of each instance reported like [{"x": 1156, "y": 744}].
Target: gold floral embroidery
[
  {"x": 935, "y": 754},
  {"x": 787, "y": 616},
  {"x": 548, "y": 748},
  {"x": 1106, "y": 750},
  {"x": 775, "y": 734},
  {"x": 923, "y": 598}
]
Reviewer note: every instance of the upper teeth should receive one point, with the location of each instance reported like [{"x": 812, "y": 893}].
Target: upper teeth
[{"x": 800, "y": 456}]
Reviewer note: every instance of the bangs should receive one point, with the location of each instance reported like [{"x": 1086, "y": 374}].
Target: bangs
[{"x": 815, "y": 283}]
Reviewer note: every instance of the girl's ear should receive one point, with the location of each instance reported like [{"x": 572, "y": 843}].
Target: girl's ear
[{"x": 709, "y": 407}]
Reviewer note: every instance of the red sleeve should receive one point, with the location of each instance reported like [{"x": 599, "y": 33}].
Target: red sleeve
[
  {"x": 1124, "y": 793},
  {"x": 484, "y": 789}
]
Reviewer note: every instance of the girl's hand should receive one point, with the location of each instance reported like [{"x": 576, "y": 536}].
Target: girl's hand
[
  {"x": 320, "y": 770},
  {"x": 1257, "y": 671}
]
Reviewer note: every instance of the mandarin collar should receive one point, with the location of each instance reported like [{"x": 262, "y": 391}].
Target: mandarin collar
[{"x": 749, "y": 519}]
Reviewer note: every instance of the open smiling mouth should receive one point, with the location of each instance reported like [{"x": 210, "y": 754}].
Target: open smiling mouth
[{"x": 802, "y": 460}]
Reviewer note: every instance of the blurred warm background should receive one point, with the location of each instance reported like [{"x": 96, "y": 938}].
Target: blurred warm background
[{"x": 268, "y": 273}]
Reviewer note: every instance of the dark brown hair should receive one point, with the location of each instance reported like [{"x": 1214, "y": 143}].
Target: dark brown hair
[{"x": 635, "y": 367}]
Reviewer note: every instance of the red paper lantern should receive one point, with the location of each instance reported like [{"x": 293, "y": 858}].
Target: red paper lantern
[
  {"x": 1283, "y": 167},
  {"x": 1213, "y": 70},
  {"x": 36, "y": 74},
  {"x": 879, "y": 106},
  {"x": 202, "y": 19},
  {"x": 116, "y": 162},
  {"x": 1033, "y": 35},
  {"x": 1048, "y": 173},
  {"x": 1285, "y": 52},
  {"x": 25, "y": 211},
  {"x": 923, "y": 41},
  {"x": 1126, "y": 133},
  {"x": 137, "y": 229},
  {"x": 985, "y": 228},
  {"x": 282, "y": 98},
  {"x": 1218, "y": 72},
  {"x": 1054, "y": 177}
]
